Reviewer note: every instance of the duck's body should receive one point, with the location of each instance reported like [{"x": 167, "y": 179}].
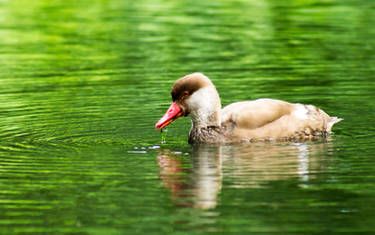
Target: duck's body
[{"x": 264, "y": 119}]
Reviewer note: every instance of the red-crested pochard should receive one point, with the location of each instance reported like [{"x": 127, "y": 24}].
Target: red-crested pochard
[{"x": 263, "y": 119}]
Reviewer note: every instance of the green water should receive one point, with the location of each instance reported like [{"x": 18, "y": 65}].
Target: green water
[{"x": 82, "y": 84}]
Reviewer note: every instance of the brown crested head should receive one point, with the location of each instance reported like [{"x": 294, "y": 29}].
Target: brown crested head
[
  {"x": 187, "y": 94},
  {"x": 189, "y": 84},
  {"x": 184, "y": 87}
]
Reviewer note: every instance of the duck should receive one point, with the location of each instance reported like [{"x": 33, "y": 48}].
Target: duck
[{"x": 264, "y": 119}]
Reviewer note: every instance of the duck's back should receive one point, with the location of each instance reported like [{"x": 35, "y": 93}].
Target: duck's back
[{"x": 275, "y": 119}]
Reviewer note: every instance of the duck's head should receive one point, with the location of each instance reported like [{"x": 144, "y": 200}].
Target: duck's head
[{"x": 193, "y": 95}]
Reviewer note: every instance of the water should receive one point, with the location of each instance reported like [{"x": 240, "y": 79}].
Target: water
[{"x": 83, "y": 83}]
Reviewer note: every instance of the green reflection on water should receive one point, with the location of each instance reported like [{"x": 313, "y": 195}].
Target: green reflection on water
[{"x": 83, "y": 83}]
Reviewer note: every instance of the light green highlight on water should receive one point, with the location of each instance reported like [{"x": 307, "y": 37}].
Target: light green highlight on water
[{"x": 82, "y": 84}]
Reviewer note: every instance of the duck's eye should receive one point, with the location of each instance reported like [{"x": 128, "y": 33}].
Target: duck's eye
[{"x": 186, "y": 93}]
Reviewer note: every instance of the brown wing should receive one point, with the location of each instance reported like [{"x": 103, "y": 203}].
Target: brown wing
[
  {"x": 268, "y": 118},
  {"x": 254, "y": 114}
]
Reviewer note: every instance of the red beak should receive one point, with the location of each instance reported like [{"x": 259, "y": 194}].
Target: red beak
[{"x": 174, "y": 111}]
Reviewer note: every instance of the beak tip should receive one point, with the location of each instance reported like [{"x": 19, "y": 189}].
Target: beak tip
[{"x": 173, "y": 112}]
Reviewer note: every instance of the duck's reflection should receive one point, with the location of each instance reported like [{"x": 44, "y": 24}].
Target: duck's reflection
[{"x": 197, "y": 181}]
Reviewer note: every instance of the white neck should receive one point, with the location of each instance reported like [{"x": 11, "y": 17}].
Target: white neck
[{"x": 205, "y": 107}]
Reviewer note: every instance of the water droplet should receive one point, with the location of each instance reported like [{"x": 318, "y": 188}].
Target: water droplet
[
  {"x": 164, "y": 135},
  {"x": 154, "y": 147}
]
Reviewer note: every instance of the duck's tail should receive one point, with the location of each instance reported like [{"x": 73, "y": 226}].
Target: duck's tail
[{"x": 332, "y": 122}]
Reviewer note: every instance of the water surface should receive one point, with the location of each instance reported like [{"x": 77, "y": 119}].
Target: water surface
[{"x": 83, "y": 83}]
